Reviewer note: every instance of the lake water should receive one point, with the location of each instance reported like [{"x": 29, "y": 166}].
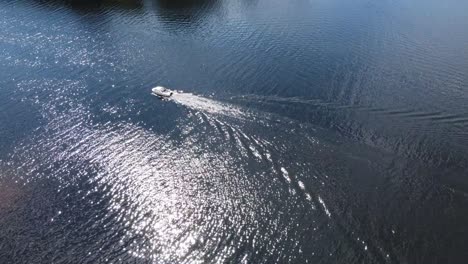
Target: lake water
[{"x": 304, "y": 131}]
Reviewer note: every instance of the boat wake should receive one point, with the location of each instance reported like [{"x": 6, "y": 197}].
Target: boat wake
[
  {"x": 222, "y": 168},
  {"x": 208, "y": 105}
]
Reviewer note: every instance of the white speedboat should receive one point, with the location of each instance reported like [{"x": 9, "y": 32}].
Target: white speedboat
[{"x": 162, "y": 92}]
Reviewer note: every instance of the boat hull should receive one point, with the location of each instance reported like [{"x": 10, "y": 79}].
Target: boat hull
[{"x": 162, "y": 92}]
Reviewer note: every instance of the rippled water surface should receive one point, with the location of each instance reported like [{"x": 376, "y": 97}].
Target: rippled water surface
[{"x": 327, "y": 131}]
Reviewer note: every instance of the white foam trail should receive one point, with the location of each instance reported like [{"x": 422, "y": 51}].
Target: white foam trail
[
  {"x": 324, "y": 207},
  {"x": 207, "y": 105},
  {"x": 286, "y": 174}
]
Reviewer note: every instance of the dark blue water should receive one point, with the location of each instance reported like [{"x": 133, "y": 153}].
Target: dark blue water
[{"x": 327, "y": 131}]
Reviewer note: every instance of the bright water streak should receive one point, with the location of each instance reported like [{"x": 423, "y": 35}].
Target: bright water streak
[{"x": 310, "y": 131}]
